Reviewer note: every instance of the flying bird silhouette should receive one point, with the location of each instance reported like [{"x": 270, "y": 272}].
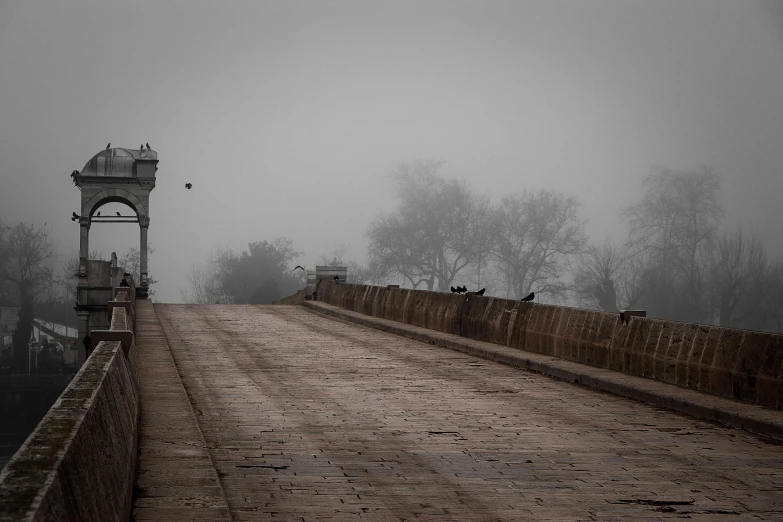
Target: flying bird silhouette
[
  {"x": 298, "y": 266},
  {"x": 529, "y": 297},
  {"x": 188, "y": 186},
  {"x": 75, "y": 216},
  {"x": 108, "y": 146},
  {"x": 481, "y": 292}
]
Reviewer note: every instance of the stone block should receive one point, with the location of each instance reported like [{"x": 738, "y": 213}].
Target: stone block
[{"x": 724, "y": 361}]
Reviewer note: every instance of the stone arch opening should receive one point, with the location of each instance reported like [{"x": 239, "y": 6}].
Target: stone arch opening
[{"x": 114, "y": 196}]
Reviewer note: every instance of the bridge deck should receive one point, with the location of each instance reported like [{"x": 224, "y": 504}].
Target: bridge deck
[{"x": 300, "y": 417}]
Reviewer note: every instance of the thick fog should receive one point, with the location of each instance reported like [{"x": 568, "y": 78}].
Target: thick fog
[{"x": 287, "y": 117}]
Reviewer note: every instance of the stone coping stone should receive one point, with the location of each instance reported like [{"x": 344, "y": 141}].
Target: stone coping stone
[{"x": 741, "y": 415}]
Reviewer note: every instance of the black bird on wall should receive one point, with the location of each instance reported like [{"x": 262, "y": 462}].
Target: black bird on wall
[
  {"x": 481, "y": 292},
  {"x": 98, "y": 214},
  {"x": 119, "y": 215},
  {"x": 108, "y": 146},
  {"x": 454, "y": 290},
  {"x": 148, "y": 145},
  {"x": 529, "y": 297}
]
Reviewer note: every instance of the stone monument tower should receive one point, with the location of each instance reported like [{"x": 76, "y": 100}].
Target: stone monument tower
[{"x": 114, "y": 175}]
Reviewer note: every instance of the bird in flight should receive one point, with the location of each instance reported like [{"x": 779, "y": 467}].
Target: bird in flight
[
  {"x": 75, "y": 216},
  {"x": 298, "y": 266},
  {"x": 188, "y": 186},
  {"x": 481, "y": 292},
  {"x": 108, "y": 146},
  {"x": 119, "y": 215},
  {"x": 529, "y": 297}
]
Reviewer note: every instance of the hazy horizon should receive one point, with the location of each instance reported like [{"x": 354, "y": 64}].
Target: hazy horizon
[{"x": 287, "y": 117}]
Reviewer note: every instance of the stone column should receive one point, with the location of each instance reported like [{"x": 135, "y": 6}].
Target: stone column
[
  {"x": 84, "y": 245},
  {"x": 143, "y": 285}
]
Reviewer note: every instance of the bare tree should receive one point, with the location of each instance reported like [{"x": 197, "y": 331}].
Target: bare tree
[
  {"x": 670, "y": 230},
  {"x": 25, "y": 249},
  {"x": 440, "y": 227},
  {"x": 204, "y": 281},
  {"x": 535, "y": 237}
]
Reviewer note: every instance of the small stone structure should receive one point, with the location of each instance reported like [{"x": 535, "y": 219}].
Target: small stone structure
[{"x": 114, "y": 175}]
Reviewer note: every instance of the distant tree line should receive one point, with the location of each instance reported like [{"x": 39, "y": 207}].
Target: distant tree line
[{"x": 676, "y": 261}]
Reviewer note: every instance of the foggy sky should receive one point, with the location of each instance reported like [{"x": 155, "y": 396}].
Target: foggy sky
[{"x": 287, "y": 116}]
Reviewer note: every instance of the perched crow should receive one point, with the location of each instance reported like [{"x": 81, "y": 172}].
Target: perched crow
[
  {"x": 454, "y": 290},
  {"x": 124, "y": 283},
  {"x": 74, "y": 173},
  {"x": 529, "y": 297},
  {"x": 118, "y": 214},
  {"x": 98, "y": 214},
  {"x": 336, "y": 278},
  {"x": 298, "y": 266},
  {"x": 188, "y": 186},
  {"x": 148, "y": 145},
  {"x": 108, "y": 146},
  {"x": 464, "y": 289},
  {"x": 141, "y": 147},
  {"x": 481, "y": 292}
]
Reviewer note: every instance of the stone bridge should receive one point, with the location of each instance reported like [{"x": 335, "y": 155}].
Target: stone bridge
[{"x": 389, "y": 404}]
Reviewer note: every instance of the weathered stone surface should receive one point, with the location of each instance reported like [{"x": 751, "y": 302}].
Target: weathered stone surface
[
  {"x": 79, "y": 462},
  {"x": 308, "y": 418}
]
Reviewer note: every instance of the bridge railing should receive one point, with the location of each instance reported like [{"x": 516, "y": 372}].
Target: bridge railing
[
  {"x": 739, "y": 364},
  {"x": 80, "y": 462}
]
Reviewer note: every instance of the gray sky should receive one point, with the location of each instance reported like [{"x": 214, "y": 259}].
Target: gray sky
[{"x": 286, "y": 116}]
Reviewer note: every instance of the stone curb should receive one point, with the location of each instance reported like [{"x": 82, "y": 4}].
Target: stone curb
[{"x": 748, "y": 417}]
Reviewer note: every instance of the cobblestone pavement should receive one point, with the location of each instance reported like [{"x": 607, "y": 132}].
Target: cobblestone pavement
[{"x": 310, "y": 418}]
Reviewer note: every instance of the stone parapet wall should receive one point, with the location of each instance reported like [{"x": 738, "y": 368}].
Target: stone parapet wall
[
  {"x": 739, "y": 364},
  {"x": 80, "y": 462}
]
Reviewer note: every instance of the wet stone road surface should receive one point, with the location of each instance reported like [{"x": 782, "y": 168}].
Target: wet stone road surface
[{"x": 310, "y": 418}]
